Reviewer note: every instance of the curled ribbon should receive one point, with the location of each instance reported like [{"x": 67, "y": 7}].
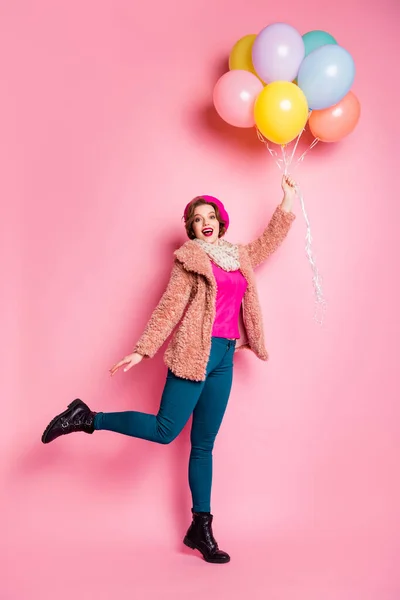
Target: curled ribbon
[
  {"x": 320, "y": 302},
  {"x": 284, "y": 164}
]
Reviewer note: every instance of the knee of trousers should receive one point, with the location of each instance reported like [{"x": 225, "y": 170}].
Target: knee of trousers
[
  {"x": 202, "y": 450},
  {"x": 167, "y": 436},
  {"x": 166, "y": 431}
]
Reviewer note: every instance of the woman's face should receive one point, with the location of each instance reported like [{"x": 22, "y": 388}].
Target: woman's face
[{"x": 205, "y": 224}]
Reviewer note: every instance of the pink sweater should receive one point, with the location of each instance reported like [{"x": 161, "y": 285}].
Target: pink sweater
[{"x": 231, "y": 287}]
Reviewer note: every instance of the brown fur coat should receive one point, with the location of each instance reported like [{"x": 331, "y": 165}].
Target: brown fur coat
[{"x": 190, "y": 300}]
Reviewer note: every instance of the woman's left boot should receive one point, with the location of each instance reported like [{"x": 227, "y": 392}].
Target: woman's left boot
[
  {"x": 200, "y": 537},
  {"x": 77, "y": 417}
]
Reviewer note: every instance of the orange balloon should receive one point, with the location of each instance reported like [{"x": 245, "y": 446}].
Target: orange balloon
[{"x": 334, "y": 123}]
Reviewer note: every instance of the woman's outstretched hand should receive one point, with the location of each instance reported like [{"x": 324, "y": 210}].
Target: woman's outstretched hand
[
  {"x": 128, "y": 362},
  {"x": 289, "y": 192}
]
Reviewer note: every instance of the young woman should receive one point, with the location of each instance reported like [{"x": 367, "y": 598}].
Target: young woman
[{"x": 212, "y": 285}]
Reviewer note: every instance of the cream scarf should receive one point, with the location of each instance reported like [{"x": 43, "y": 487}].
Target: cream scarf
[{"x": 223, "y": 254}]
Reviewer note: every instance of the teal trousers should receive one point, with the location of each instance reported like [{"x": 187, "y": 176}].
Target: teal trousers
[{"x": 181, "y": 398}]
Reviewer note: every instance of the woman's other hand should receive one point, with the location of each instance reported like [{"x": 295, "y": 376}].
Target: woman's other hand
[{"x": 128, "y": 362}]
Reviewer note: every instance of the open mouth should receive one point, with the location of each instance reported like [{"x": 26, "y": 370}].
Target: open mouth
[{"x": 207, "y": 231}]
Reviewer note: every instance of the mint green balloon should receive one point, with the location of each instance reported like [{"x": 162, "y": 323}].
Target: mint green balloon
[{"x": 317, "y": 38}]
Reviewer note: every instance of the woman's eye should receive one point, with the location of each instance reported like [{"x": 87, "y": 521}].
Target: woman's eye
[
  {"x": 213, "y": 216},
  {"x": 197, "y": 220}
]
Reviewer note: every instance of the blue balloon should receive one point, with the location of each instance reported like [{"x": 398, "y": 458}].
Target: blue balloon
[
  {"x": 326, "y": 76},
  {"x": 317, "y": 38}
]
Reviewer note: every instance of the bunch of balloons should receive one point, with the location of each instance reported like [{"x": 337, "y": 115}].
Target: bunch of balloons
[{"x": 278, "y": 80}]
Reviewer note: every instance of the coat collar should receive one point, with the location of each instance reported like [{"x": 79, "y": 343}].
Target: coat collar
[{"x": 194, "y": 259}]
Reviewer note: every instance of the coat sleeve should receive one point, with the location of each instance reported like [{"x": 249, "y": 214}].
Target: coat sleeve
[
  {"x": 272, "y": 237},
  {"x": 168, "y": 312}
]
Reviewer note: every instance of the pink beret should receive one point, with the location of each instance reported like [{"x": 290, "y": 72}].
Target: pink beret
[{"x": 218, "y": 203}]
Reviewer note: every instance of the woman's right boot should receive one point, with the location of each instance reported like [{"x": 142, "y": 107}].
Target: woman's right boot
[{"x": 77, "y": 417}]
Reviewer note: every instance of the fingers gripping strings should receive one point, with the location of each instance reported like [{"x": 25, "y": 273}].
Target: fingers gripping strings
[{"x": 284, "y": 163}]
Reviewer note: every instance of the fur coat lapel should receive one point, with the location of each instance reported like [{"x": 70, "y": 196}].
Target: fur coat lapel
[{"x": 195, "y": 260}]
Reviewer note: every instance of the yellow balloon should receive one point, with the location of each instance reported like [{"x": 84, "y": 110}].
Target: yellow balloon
[
  {"x": 240, "y": 57},
  {"x": 281, "y": 111}
]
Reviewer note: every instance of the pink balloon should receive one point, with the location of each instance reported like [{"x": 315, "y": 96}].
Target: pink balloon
[{"x": 234, "y": 96}]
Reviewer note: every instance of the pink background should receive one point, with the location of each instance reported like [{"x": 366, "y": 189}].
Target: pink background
[{"x": 106, "y": 132}]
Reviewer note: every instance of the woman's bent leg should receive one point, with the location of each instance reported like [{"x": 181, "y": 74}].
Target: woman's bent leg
[{"x": 178, "y": 401}]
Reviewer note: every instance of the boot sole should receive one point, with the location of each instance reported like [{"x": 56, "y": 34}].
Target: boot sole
[
  {"x": 192, "y": 546},
  {"x": 50, "y": 425}
]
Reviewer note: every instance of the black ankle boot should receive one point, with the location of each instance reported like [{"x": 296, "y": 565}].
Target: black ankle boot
[
  {"x": 200, "y": 537},
  {"x": 77, "y": 417}
]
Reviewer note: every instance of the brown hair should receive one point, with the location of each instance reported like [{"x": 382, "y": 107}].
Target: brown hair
[{"x": 190, "y": 217}]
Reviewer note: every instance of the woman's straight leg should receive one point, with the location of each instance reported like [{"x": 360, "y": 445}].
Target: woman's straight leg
[{"x": 207, "y": 418}]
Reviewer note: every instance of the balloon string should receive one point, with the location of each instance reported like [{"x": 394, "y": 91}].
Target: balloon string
[
  {"x": 271, "y": 151},
  {"x": 285, "y": 163},
  {"x": 297, "y": 140},
  {"x": 285, "y": 159},
  {"x": 302, "y": 157},
  {"x": 295, "y": 146},
  {"x": 320, "y": 302}
]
